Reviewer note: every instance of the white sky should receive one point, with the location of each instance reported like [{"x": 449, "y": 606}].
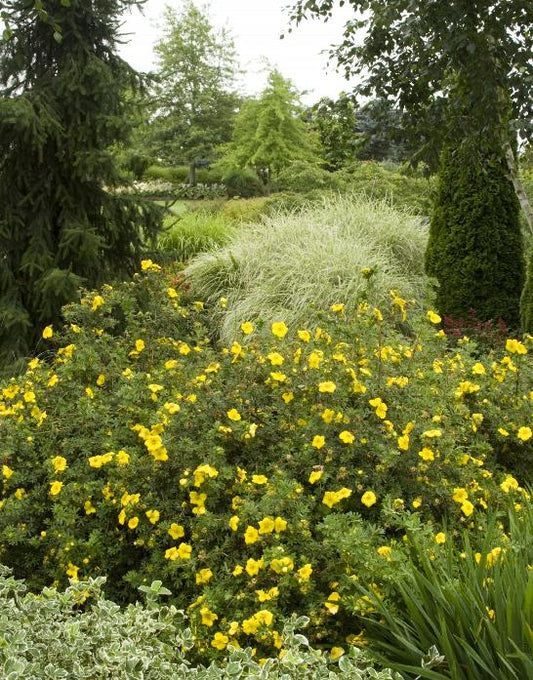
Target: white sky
[{"x": 256, "y": 26}]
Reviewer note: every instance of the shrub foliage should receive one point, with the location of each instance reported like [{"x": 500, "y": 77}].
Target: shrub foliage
[{"x": 242, "y": 477}]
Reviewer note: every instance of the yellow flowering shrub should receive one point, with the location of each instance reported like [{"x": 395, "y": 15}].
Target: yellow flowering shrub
[{"x": 248, "y": 496}]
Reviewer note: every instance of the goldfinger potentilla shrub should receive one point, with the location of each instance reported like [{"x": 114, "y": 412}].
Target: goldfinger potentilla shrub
[{"x": 270, "y": 476}]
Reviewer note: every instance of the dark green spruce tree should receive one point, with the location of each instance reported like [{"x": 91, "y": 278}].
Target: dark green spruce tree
[{"x": 61, "y": 107}]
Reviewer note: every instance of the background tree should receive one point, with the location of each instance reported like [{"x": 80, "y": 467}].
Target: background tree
[
  {"x": 466, "y": 63},
  {"x": 269, "y": 132},
  {"x": 195, "y": 99},
  {"x": 335, "y": 122},
  {"x": 61, "y": 87}
]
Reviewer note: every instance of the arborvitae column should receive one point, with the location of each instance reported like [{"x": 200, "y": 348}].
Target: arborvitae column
[{"x": 475, "y": 248}]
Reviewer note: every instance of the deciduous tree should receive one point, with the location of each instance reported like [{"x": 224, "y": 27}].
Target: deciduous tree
[{"x": 195, "y": 99}]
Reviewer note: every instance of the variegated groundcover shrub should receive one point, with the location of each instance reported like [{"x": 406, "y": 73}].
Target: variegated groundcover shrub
[
  {"x": 78, "y": 634},
  {"x": 278, "y": 475}
]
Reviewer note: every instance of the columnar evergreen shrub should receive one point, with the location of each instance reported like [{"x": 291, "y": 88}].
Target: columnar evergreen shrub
[
  {"x": 61, "y": 106},
  {"x": 475, "y": 245}
]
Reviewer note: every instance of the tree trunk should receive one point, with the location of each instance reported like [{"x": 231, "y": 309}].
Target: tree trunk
[
  {"x": 518, "y": 186},
  {"x": 192, "y": 173}
]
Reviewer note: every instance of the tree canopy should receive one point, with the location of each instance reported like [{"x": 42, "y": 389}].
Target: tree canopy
[
  {"x": 195, "y": 99},
  {"x": 474, "y": 55},
  {"x": 269, "y": 131}
]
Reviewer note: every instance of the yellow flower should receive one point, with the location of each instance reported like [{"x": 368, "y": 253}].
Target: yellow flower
[
  {"x": 336, "y": 653},
  {"x": 171, "y": 292},
  {"x": 72, "y": 571},
  {"x": 176, "y": 531},
  {"x": 331, "y": 498},
  {"x": 347, "y": 437},
  {"x": 264, "y": 616},
  {"x": 524, "y": 433},
  {"x": 184, "y": 551},
  {"x": 59, "y": 463},
  {"x": 315, "y": 476},
  {"x": 100, "y": 381},
  {"x": 153, "y": 516},
  {"x": 208, "y": 617},
  {"x": 426, "y": 454},
  {"x": 304, "y": 573},
  {"x": 283, "y": 565},
  {"x": 133, "y": 523},
  {"x": 384, "y": 551},
  {"x": 403, "y": 442},
  {"x": 275, "y": 358},
  {"x": 259, "y": 479},
  {"x": 233, "y": 414},
  {"x": 233, "y": 523},
  {"x": 515, "y": 347},
  {"x": 203, "y": 576},
  {"x": 253, "y": 566},
  {"x": 139, "y": 345},
  {"x": 266, "y": 595},
  {"x": 331, "y": 604},
  {"x": 318, "y": 441},
  {"x": 433, "y": 317},
  {"x": 478, "y": 369},
  {"x": 432, "y": 433},
  {"x": 417, "y": 503},
  {"x": 315, "y": 358},
  {"x": 20, "y": 492},
  {"x": 440, "y": 538},
  {"x": 55, "y": 488},
  {"x": 149, "y": 266},
  {"x": 339, "y": 307},
  {"x": 237, "y": 571},
  {"x": 247, "y": 328},
  {"x": 304, "y": 336},
  {"x": 266, "y": 525},
  {"x": 48, "y": 332},
  {"x": 508, "y": 484},
  {"x": 287, "y": 397},
  {"x": 327, "y": 386},
  {"x": 6, "y": 471},
  {"x": 280, "y": 525},
  {"x": 97, "y": 302},
  {"x": 380, "y": 406},
  {"x": 251, "y": 535},
  {"x": 460, "y": 495},
  {"x": 368, "y": 498},
  {"x": 220, "y": 641},
  {"x": 89, "y": 508},
  {"x": 279, "y": 329},
  {"x": 467, "y": 508},
  {"x": 122, "y": 457}
]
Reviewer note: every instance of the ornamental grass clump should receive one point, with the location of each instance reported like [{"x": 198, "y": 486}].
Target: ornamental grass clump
[
  {"x": 193, "y": 233},
  {"x": 294, "y": 265},
  {"x": 470, "y": 609},
  {"x": 242, "y": 476}
]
